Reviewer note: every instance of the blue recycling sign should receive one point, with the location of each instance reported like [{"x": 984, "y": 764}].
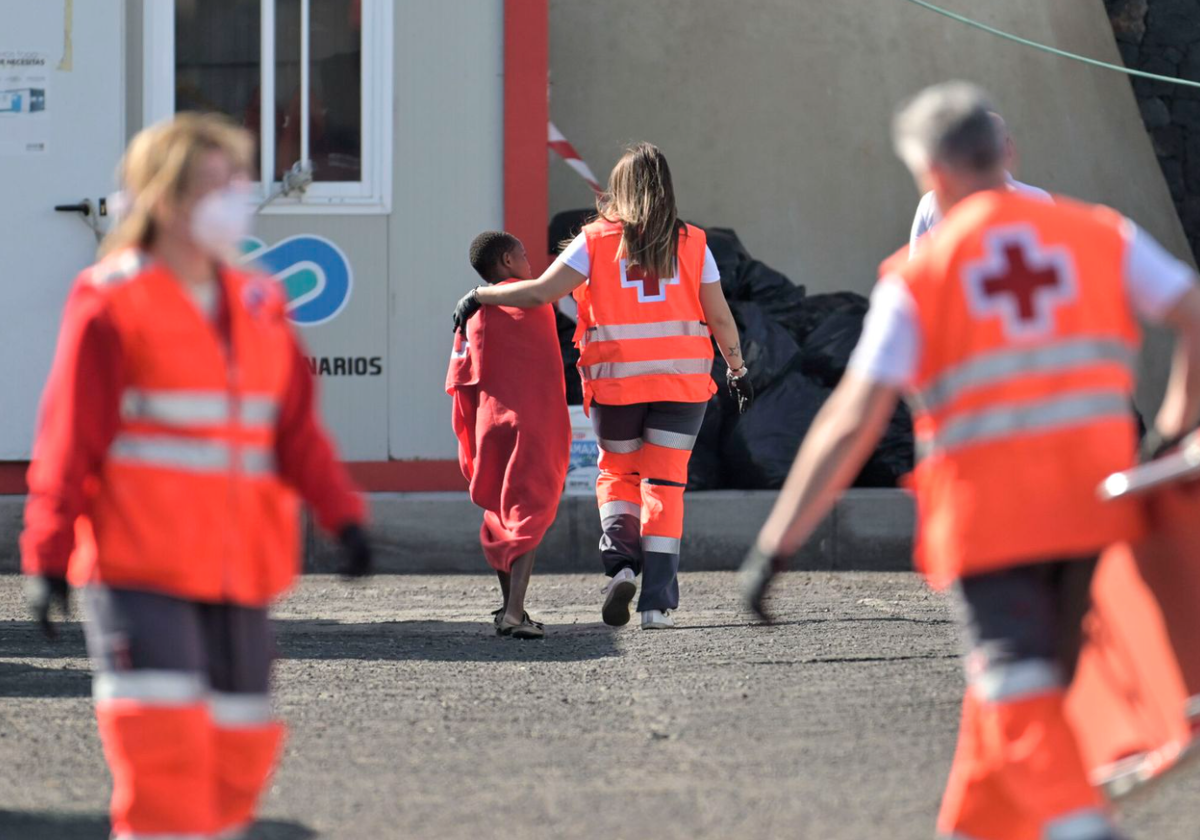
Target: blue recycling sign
[{"x": 313, "y": 270}]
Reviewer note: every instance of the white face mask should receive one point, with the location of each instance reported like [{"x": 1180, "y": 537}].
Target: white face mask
[{"x": 222, "y": 219}]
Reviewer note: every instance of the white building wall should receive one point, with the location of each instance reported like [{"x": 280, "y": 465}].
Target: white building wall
[{"x": 448, "y": 187}]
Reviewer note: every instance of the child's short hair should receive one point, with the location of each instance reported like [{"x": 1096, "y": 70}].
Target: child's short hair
[{"x": 488, "y": 250}]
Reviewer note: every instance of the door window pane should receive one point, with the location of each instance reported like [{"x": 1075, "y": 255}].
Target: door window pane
[
  {"x": 217, "y": 58},
  {"x": 335, "y": 88}
]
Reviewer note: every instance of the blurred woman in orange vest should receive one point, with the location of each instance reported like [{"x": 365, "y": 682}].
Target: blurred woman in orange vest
[
  {"x": 178, "y": 428},
  {"x": 649, "y": 297}
]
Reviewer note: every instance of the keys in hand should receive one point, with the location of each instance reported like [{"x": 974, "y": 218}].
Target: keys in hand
[{"x": 740, "y": 389}]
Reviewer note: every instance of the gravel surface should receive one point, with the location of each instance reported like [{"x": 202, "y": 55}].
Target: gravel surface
[{"x": 409, "y": 719}]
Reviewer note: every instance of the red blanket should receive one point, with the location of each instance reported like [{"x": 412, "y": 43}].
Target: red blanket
[{"x": 514, "y": 432}]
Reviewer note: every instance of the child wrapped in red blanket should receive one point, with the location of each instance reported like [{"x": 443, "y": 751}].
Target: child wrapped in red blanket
[{"x": 514, "y": 432}]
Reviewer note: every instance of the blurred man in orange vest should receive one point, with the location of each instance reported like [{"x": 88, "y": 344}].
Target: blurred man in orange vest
[
  {"x": 650, "y": 297},
  {"x": 177, "y": 430},
  {"x": 1013, "y": 331}
]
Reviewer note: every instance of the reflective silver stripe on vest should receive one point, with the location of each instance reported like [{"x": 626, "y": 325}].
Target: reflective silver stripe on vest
[
  {"x": 661, "y": 329},
  {"x": 660, "y": 545},
  {"x": 998, "y": 367},
  {"x": 659, "y": 367},
  {"x": 620, "y": 447},
  {"x": 196, "y": 408},
  {"x": 671, "y": 440},
  {"x": 1084, "y": 824},
  {"x": 1014, "y": 419},
  {"x": 189, "y": 454},
  {"x": 258, "y": 461},
  {"x": 259, "y": 410},
  {"x": 1016, "y": 680},
  {"x": 229, "y": 711},
  {"x": 150, "y": 687}
]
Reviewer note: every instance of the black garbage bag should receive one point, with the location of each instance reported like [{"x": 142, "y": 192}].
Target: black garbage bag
[
  {"x": 893, "y": 457},
  {"x": 826, "y": 350},
  {"x": 570, "y": 356},
  {"x": 768, "y": 349},
  {"x": 779, "y": 297},
  {"x": 704, "y": 469},
  {"x": 816, "y": 310},
  {"x": 566, "y": 225},
  {"x": 762, "y": 444},
  {"x": 731, "y": 256}
]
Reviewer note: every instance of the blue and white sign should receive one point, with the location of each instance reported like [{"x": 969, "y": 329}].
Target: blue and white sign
[{"x": 315, "y": 272}]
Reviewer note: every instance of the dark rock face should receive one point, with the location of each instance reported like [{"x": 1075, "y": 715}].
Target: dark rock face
[{"x": 1163, "y": 37}]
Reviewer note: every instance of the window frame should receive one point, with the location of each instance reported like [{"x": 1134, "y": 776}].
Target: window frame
[{"x": 370, "y": 196}]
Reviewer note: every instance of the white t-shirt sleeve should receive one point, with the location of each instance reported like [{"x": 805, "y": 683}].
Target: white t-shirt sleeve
[
  {"x": 925, "y": 219},
  {"x": 1154, "y": 280},
  {"x": 576, "y": 256},
  {"x": 1031, "y": 191},
  {"x": 710, "y": 274},
  {"x": 889, "y": 349}
]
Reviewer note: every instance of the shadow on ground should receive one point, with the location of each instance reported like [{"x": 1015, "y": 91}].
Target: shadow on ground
[
  {"x": 24, "y": 639},
  {"x": 34, "y": 825},
  {"x": 20, "y": 680},
  {"x": 439, "y": 641}
]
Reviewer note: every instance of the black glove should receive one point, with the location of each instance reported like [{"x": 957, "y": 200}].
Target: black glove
[
  {"x": 41, "y": 593},
  {"x": 465, "y": 308},
  {"x": 740, "y": 389},
  {"x": 1154, "y": 445},
  {"x": 757, "y": 572},
  {"x": 356, "y": 552}
]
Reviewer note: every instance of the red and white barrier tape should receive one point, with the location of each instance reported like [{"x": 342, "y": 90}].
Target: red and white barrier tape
[{"x": 561, "y": 146}]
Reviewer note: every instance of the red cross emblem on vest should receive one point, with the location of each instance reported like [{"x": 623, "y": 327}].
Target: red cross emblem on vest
[
  {"x": 650, "y": 288},
  {"x": 1020, "y": 281}
]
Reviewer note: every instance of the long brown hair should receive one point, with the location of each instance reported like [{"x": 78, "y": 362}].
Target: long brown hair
[
  {"x": 641, "y": 197},
  {"x": 158, "y": 166}
]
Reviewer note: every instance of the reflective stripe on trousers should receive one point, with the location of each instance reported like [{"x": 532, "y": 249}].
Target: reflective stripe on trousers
[
  {"x": 1010, "y": 419},
  {"x": 1002, "y": 366},
  {"x": 197, "y": 408},
  {"x": 189, "y": 454},
  {"x": 660, "y": 329},
  {"x": 149, "y": 687},
  {"x": 1086, "y": 824},
  {"x": 233, "y": 711},
  {"x": 1009, "y": 682},
  {"x": 657, "y": 367}
]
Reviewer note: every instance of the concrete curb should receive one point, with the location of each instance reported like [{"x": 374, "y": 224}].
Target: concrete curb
[{"x": 869, "y": 530}]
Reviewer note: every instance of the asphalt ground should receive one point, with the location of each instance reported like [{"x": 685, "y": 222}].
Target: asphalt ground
[{"x": 409, "y": 719}]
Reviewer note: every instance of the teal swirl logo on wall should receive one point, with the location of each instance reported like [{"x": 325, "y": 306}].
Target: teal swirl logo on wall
[{"x": 314, "y": 271}]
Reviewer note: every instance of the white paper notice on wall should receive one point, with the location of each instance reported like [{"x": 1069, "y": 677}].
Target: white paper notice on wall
[{"x": 25, "y": 102}]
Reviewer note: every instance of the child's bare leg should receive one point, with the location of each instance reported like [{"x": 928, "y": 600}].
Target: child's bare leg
[
  {"x": 505, "y": 584},
  {"x": 522, "y": 569}
]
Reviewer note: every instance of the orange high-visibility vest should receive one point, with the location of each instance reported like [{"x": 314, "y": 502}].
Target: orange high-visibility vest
[
  {"x": 642, "y": 338},
  {"x": 1023, "y": 395},
  {"x": 188, "y": 500}
]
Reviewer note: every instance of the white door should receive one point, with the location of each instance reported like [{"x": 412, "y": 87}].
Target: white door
[{"x": 62, "y": 122}]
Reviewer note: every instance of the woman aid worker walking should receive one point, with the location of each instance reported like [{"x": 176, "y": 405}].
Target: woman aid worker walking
[
  {"x": 177, "y": 431},
  {"x": 649, "y": 297}
]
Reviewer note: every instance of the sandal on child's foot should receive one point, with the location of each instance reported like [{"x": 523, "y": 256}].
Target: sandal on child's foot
[{"x": 526, "y": 628}]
